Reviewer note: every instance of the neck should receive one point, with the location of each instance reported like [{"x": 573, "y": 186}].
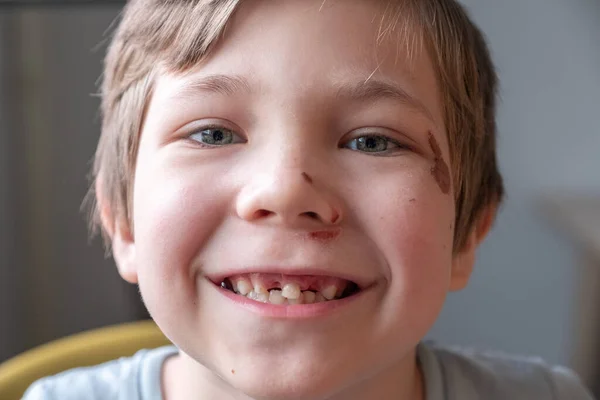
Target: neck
[{"x": 184, "y": 378}]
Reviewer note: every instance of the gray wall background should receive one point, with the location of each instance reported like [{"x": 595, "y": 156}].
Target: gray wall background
[
  {"x": 52, "y": 282},
  {"x": 521, "y": 295}
]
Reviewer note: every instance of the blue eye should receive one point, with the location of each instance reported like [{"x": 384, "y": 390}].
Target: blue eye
[
  {"x": 215, "y": 136},
  {"x": 372, "y": 144}
]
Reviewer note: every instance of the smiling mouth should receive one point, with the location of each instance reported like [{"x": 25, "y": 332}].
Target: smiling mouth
[{"x": 282, "y": 290}]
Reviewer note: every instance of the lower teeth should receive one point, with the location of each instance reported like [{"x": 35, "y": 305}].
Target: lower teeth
[
  {"x": 258, "y": 296},
  {"x": 288, "y": 295},
  {"x": 276, "y": 297}
]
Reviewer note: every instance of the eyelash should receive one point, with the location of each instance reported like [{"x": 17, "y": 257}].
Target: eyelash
[
  {"x": 212, "y": 127},
  {"x": 397, "y": 145},
  {"x": 386, "y": 152}
]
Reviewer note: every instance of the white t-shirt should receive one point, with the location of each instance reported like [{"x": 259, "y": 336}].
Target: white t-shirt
[{"x": 450, "y": 374}]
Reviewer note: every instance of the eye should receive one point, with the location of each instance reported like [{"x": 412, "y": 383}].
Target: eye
[
  {"x": 215, "y": 136},
  {"x": 376, "y": 144}
]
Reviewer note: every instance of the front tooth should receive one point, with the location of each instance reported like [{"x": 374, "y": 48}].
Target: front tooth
[
  {"x": 275, "y": 297},
  {"x": 291, "y": 291},
  {"x": 299, "y": 300},
  {"x": 262, "y": 293},
  {"x": 259, "y": 288},
  {"x": 243, "y": 287},
  {"x": 309, "y": 297},
  {"x": 329, "y": 292},
  {"x": 262, "y": 297}
]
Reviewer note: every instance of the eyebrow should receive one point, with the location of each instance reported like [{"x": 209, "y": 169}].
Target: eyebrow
[
  {"x": 227, "y": 85},
  {"x": 375, "y": 89},
  {"x": 362, "y": 91}
]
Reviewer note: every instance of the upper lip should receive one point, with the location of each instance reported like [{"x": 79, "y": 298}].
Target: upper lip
[{"x": 219, "y": 277}]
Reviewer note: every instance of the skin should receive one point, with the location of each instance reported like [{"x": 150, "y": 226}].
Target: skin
[{"x": 295, "y": 170}]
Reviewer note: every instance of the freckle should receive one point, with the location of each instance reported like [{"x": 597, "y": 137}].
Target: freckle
[
  {"x": 413, "y": 200},
  {"x": 233, "y": 371},
  {"x": 440, "y": 170}
]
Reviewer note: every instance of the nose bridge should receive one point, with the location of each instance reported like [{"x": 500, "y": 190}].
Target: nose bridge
[
  {"x": 284, "y": 181},
  {"x": 286, "y": 157},
  {"x": 292, "y": 161},
  {"x": 285, "y": 185}
]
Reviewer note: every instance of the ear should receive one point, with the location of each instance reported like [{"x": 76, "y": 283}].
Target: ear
[
  {"x": 121, "y": 238},
  {"x": 464, "y": 260}
]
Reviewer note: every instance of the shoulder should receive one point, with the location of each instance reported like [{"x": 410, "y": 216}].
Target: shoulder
[
  {"x": 469, "y": 374},
  {"x": 114, "y": 380}
]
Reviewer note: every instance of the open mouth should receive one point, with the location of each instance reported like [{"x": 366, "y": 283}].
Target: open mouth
[{"x": 282, "y": 290}]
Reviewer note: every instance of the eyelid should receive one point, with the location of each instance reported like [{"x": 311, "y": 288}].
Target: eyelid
[{"x": 210, "y": 123}]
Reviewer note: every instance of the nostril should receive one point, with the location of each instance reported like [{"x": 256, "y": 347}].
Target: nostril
[
  {"x": 312, "y": 215},
  {"x": 261, "y": 213}
]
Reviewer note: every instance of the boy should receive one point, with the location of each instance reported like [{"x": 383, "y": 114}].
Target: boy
[{"x": 295, "y": 186}]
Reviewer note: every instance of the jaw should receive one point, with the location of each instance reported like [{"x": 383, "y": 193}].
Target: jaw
[{"x": 338, "y": 370}]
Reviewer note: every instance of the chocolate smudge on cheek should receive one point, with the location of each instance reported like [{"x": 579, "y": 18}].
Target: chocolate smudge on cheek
[{"x": 440, "y": 170}]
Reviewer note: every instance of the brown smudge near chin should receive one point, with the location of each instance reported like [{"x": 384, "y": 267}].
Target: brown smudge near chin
[{"x": 440, "y": 170}]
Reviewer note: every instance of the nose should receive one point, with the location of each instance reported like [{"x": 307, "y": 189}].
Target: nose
[{"x": 288, "y": 196}]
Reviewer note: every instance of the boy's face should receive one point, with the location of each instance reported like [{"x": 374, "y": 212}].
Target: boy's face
[{"x": 301, "y": 147}]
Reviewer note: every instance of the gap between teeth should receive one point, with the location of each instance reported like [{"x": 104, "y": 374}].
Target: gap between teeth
[{"x": 289, "y": 294}]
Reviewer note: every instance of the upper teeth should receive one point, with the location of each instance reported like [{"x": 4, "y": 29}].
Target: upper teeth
[
  {"x": 291, "y": 291},
  {"x": 289, "y": 294},
  {"x": 242, "y": 287},
  {"x": 329, "y": 292}
]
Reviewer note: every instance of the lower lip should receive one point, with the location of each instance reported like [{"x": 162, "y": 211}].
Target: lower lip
[{"x": 296, "y": 311}]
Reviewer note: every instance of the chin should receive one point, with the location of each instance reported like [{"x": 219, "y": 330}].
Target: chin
[
  {"x": 286, "y": 390},
  {"x": 291, "y": 384}
]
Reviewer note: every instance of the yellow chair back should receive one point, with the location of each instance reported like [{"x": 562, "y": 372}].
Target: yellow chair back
[{"x": 79, "y": 350}]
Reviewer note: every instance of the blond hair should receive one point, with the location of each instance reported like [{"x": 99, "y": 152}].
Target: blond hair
[{"x": 178, "y": 34}]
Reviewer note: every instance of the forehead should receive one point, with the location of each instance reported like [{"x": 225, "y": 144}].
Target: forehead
[{"x": 306, "y": 48}]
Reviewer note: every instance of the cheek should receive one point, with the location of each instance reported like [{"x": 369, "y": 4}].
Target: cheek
[
  {"x": 409, "y": 216},
  {"x": 174, "y": 217},
  {"x": 413, "y": 229}
]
